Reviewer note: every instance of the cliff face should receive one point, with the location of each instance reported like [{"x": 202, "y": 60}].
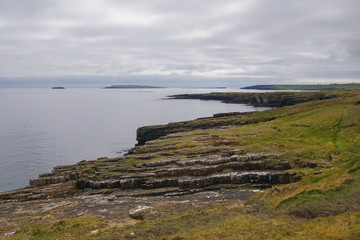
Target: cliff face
[
  {"x": 274, "y": 99},
  {"x": 183, "y": 175},
  {"x": 268, "y": 99},
  {"x": 147, "y": 133}
]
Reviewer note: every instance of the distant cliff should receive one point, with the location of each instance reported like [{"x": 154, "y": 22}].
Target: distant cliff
[
  {"x": 328, "y": 87},
  {"x": 148, "y": 133},
  {"x": 268, "y": 99}
]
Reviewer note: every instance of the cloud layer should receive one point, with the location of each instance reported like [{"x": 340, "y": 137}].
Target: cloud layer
[{"x": 277, "y": 40}]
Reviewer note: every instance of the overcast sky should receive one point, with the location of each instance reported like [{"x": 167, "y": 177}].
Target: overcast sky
[{"x": 264, "y": 41}]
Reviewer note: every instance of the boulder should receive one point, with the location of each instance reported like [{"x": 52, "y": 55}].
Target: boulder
[{"x": 139, "y": 212}]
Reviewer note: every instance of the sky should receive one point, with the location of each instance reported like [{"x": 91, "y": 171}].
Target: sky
[{"x": 179, "y": 42}]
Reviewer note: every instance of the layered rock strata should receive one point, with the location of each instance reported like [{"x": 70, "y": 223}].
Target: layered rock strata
[
  {"x": 170, "y": 176},
  {"x": 148, "y": 133},
  {"x": 197, "y": 173}
]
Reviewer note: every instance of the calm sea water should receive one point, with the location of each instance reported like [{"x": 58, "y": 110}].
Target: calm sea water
[{"x": 43, "y": 128}]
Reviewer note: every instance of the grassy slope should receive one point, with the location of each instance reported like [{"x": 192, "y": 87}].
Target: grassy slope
[{"x": 320, "y": 206}]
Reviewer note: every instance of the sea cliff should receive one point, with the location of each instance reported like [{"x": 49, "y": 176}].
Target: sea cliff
[{"x": 268, "y": 99}]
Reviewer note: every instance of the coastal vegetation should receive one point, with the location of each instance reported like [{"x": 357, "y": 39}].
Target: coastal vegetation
[
  {"x": 349, "y": 86},
  {"x": 298, "y": 167}
]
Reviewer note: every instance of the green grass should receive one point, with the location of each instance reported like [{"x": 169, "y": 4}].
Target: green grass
[
  {"x": 251, "y": 227},
  {"x": 64, "y": 229},
  {"x": 214, "y": 223},
  {"x": 317, "y": 203}
]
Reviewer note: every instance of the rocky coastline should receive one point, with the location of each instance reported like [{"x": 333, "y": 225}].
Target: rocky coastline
[
  {"x": 176, "y": 168},
  {"x": 72, "y": 173},
  {"x": 268, "y": 99}
]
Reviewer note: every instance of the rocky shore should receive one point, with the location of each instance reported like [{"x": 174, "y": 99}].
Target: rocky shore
[
  {"x": 172, "y": 176},
  {"x": 132, "y": 187},
  {"x": 208, "y": 162}
]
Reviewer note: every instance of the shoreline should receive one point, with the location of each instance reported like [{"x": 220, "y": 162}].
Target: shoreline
[
  {"x": 57, "y": 138},
  {"x": 152, "y": 132}
]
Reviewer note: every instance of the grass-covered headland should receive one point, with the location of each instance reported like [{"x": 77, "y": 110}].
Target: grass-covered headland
[
  {"x": 182, "y": 185},
  {"x": 348, "y": 86}
]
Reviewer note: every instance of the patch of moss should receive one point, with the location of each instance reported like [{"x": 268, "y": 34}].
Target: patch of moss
[
  {"x": 315, "y": 203},
  {"x": 76, "y": 228}
]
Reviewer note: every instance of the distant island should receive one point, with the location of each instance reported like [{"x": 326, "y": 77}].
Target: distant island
[
  {"x": 204, "y": 87},
  {"x": 348, "y": 86},
  {"x": 131, "y": 86},
  {"x": 57, "y": 88}
]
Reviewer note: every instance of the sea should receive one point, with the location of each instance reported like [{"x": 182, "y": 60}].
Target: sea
[{"x": 44, "y": 128}]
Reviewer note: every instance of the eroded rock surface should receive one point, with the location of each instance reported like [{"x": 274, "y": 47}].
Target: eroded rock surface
[
  {"x": 170, "y": 176},
  {"x": 152, "y": 181}
]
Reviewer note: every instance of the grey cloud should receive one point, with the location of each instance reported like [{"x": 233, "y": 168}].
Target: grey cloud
[{"x": 275, "y": 39}]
